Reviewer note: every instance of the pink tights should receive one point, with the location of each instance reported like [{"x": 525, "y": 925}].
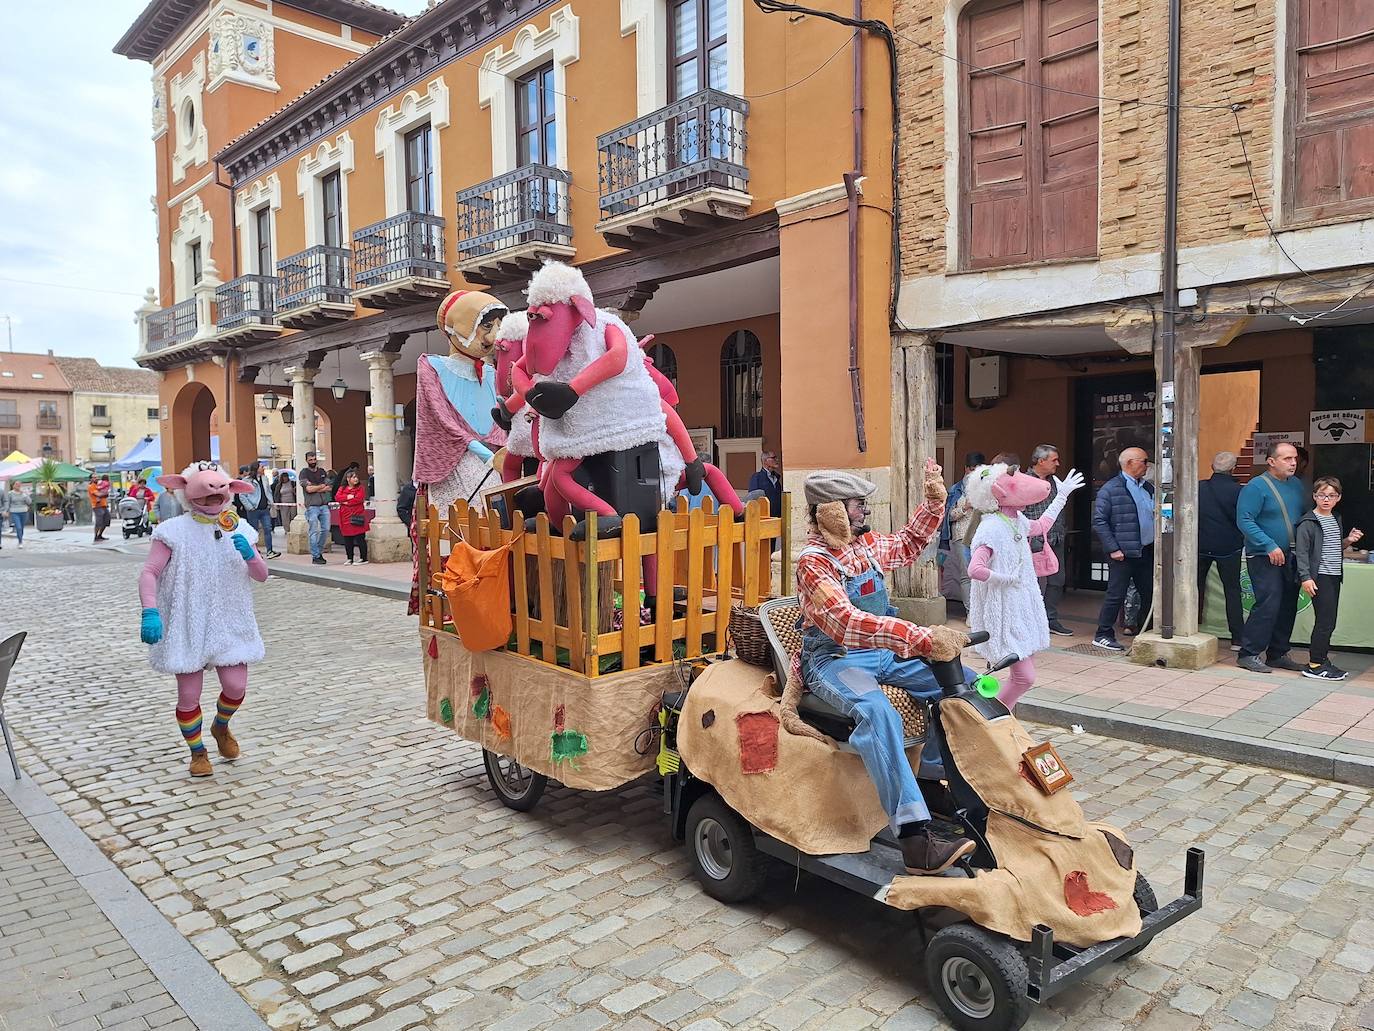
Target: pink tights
[
  {"x": 1018, "y": 683},
  {"x": 233, "y": 682}
]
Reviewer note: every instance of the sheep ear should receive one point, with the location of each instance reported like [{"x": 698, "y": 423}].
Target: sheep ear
[
  {"x": 586, "y": 309},
  {"x": 172, "y": 481},
  {"x": 240, "y": 487}
]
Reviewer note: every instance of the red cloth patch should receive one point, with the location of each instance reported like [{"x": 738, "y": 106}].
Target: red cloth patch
[
  {"x": 559, "y": 719},
  {"x": 868, "y": 587},
  {"x": 758, "y": 742},
  {"x": 434, "y": 647},
  {"x": 1082, "y": 899},
  {"x": 479, "y": 684}
]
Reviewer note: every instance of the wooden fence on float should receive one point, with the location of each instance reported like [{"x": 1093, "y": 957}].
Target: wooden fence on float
[{"x": 562, "y": 590}]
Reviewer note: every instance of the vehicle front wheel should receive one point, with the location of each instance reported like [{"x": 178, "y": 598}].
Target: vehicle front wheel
[
  {"x": 517, "y": 787},
  {"x": 721, "y": 845},
  {"x": 979, "y": 978}
]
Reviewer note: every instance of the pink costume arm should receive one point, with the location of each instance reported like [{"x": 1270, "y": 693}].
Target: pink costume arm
[
  {"x": 257, "y": 567},
  {"x": 678, "y": 432},
  {"x": 158, "y": 557},
  {"x": 521, "y": 383},
  {"x": 1042, "y": 525},
  {"x": 610, "y": 364},
  {"x": 978, "y": 568}
]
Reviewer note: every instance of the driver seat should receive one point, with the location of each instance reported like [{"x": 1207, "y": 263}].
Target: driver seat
[{"x": 780, "y": 618}]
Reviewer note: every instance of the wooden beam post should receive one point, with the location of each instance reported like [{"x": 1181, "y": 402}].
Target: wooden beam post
[{"x": 914, "y": 397}]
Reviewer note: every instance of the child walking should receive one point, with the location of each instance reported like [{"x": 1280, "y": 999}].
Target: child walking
[{"x": 1320, "y": 542}]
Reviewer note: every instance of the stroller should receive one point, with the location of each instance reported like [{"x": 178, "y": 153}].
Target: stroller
[{"x": 135, "y": 515}]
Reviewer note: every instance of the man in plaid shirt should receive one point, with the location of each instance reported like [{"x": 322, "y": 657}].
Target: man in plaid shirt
[{"x": 853, "y": 641}]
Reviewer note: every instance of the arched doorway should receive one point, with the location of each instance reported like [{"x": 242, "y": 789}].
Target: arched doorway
[{"x": 190, "y": 433}]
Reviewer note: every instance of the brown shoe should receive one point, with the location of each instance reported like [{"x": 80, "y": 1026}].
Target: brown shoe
[
  {"x": 924, "y": 853},
  {"x": 228, "y": 747},
  {"x": 200, "y": 764}
]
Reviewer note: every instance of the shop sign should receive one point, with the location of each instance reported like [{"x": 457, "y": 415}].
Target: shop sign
[
  {"x": 1339, "y": 426},
  {"x": 1264, "y": 440}
]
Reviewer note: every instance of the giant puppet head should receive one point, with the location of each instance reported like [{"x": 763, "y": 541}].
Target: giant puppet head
[
  {"x": 469, "y": 319},
  {"x": 991, "y": 487},
  {"x": 204, "y": 488},
  {"x": 560, "y": 301},
  {"x": 510, "y": 346}
]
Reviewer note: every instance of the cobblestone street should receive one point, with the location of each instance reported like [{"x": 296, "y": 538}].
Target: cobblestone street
[{"x": 353, "y": 869}]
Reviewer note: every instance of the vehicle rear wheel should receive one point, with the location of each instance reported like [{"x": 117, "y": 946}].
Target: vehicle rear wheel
[
  {"x": 721, "y": 845},
  {"x": 518, "y": 788},
  {"x": 979, "y": 978},
  {"x": 1146, "y": 902}
]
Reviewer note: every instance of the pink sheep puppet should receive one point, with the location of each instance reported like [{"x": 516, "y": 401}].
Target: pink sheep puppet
[
  {"x": 198, "y": 604},
  {"x": 1004, "y": 596}
]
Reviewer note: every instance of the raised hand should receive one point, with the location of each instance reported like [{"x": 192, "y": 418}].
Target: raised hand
[
  {"x": 934, "y": 482},
  {"x": 1070, "y": 483}
]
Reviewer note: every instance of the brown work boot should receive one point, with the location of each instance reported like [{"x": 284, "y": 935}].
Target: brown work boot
[
  {"x": 200, "y": 764},
  {"x": 924, "y": 853},
  {"x": 224, "y": 739}
]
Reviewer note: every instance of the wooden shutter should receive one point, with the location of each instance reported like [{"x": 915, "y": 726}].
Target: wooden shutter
[
  {"x": 1067, "y": 145},
  {"x": 1333, "y": 140}
]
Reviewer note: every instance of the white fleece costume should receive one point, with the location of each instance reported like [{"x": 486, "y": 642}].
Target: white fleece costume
[
  {"x": 207, "y": 593},
  {"x": 1013, "y": 614}
]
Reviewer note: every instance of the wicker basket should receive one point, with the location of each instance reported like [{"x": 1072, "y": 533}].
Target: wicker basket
[{"x": 748, "y": 636}]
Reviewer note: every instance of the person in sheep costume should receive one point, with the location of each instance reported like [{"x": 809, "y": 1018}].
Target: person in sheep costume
[
  {"x": 198, "y": 603},
  {"x": 1004, "y": 596}
]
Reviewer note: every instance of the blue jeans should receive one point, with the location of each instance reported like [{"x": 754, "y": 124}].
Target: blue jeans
[
  {"x": 317, "y": 519},
  {"x": 849, "y": 681},
  {"x": 262, "y": 522},
  {"x": 17, "y": 521},
  {"x": 1269, "y": 630}
]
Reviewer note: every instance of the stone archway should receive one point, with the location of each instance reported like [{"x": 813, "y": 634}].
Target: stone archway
[{"x": 192, "y": 408}]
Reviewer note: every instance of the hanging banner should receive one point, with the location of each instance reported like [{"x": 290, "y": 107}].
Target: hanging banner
[
  {"x": 1339, "y": 426},
  {"x": 1264, "y": 440}
]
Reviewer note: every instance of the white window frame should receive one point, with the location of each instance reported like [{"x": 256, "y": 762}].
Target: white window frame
[
  {"x": 501, "y": 67},
  {"x": 186, "y": 89},
  {"x": 393, "y": 123},
  {"x": 194, "y": 225},
  {"x": 648, "y": 20},
  {"x": 264, "y": 193},
  {"x": 326, "y": 158}
]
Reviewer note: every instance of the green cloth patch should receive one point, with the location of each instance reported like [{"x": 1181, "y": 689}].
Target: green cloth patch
[
  {"x": 567, "y": 745},
  {"x": 482, "y": 707},
  {"x": 446, "y": 711}
]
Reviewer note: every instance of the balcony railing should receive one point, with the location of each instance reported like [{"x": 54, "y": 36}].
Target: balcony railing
[
  {"x": 691, "y": 145},
  {"x": 246, "y": 301},
  {"x": 50, "y": 422},
  {"x": 526, "y": 206},
  {"x": 172, "y": 326},
  {"x": 405, "y": 246},
  {"x": 9, "y": 422},
  {"x": 317, "y": 275}
]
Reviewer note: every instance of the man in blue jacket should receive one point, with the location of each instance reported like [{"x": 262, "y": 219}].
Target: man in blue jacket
[
  {"x": 1267, "y": 514},
  {"x": 1124, "y": 521}
]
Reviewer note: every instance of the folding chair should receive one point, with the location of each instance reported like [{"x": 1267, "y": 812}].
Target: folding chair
[{"x": 9, "y": 652}]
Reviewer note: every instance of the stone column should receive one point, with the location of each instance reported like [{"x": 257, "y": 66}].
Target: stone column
[
  {"x": 914, "y": 397},
  {"x": 302, "y": 378},
  {"x": 387, "y": 539}
]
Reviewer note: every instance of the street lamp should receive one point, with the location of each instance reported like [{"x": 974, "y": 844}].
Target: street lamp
[
  {"x": 288, "y": 413},
  {"x": 339, "y": 388},
  {"x": 270, "y": 399}
]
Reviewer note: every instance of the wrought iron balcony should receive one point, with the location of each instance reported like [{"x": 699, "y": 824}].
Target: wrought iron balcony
[
  {"x": 49, "y": 422},
  {"x": 9, "y": 421},
  {"x": 314, "y": 287},
  {"x": 171, "y": 326},
  {"x": 670, "y": 157},
  {"x": 523, "y": 212},
  {"x": 400, "y": 260},
  {"x": 246, "y": 302}
]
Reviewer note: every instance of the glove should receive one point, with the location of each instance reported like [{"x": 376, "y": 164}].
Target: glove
[
  {"x": 1069, "y": 484},
  {"x": 244, "y": 547},
  {"x": 695, "y": 473},
  {"x": 934, "y": 484},
  {"x": 946, "y": 643},
  {"x": 552, "y": 399},
  {"x": 501, "y": 417},
  {"x": 150, "y": 630}
]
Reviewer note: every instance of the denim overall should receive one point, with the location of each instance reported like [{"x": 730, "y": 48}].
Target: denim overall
[{"x": 848, "y": 679}]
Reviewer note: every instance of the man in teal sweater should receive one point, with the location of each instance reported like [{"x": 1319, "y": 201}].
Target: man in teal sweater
[{"x": 1267, "y": 513}]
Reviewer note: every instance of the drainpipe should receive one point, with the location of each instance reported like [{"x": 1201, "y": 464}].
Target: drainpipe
[
  {"x": 851, "y": 188},
  {"x": 1168, "y": 339}
]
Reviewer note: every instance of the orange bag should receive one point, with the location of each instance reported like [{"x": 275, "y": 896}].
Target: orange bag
[{"x": 478, "y": 587}]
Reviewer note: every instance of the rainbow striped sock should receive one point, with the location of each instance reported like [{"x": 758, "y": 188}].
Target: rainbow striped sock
[
  {"x": 224, "y": 709},
  {"x": 189, "y": 721}
]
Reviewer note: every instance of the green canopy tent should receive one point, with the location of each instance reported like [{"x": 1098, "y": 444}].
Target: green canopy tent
[{"x": 65, "y": 474}]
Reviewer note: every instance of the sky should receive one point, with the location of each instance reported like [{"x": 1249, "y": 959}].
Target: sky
[{"x": 78, "y": 238}]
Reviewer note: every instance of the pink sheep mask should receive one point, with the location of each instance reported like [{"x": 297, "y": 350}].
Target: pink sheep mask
[
  {"x": 1017, "y": 490},
  {"x": 205, "y": 488},
  {"x": 551, "y": 331}
]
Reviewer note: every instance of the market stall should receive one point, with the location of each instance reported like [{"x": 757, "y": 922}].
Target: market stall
[{"x": 1354, "y": 627}]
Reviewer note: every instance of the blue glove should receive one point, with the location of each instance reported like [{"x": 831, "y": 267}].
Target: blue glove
[
  {"x": 480, "y": 450},
  {"x": 244, "y": 547},
  {"x": 150, "y": 631}
]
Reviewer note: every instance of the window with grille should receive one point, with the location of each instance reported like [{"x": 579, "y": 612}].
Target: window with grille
[
  {"x": 1028, "y": 163},
  {"x": 99, "y": 412},
  {"x": 1330, "y": 157},
  {"x": 741, "y": 385},
  {"x": 152, "y": 413},
  {"x": 665, "y": 361}
]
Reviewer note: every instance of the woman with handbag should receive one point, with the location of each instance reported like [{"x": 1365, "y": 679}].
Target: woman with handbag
[{"x": 352, "y": 520}]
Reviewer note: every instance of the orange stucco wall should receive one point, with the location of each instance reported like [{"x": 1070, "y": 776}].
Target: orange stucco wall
[{"x": 213, "y": 390}]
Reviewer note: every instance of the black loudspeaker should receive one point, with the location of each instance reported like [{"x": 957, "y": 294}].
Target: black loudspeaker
[{"x": 627, "y": 480}]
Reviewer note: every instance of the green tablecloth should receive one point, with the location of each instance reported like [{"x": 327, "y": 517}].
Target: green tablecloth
[{"x": 1354, "y": 622}]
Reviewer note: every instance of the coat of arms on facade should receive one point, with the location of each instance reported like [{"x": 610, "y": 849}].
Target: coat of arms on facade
[{"x": 241, "y": 51}]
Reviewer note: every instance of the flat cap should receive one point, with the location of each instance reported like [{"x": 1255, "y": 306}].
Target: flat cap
[{"x": 834, "y": 485}]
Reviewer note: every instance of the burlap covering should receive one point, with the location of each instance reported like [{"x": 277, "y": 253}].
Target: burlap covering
[
  {"x": 525, "y": 696},
  {"x": 817, "y": 799},
  {"x": 1052, "y": 859}
]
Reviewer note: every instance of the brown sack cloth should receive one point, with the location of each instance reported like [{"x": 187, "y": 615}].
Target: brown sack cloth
[
  {"x": 478, "y": 587},
  {"x": 809, "y": 794}
]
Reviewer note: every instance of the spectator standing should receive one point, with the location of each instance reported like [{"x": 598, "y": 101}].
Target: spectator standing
[
  {"x": 371, "y": 481},
  {"x": 405, "y": 504},
  {"x": 15, "y": 505},
  {"x": 256, "y": 507},
  {"x": 284, "y": 495},
  {"x": 1124, "y": 521},
  {"x": 98, "y": 491},
  {"x": 143, "y": 493},
  {"x": 1047, "y": 552},
  {"x": 1267, "y": 514},
  {"x": 166, "y": 506},
  {"x": 768, "y": 481},
  {"x": 352, "y": 516},
  {"x": 955, "y": 525},
  {"x": 1219, "y": 540},
  {"x": 315, "y": 495},
  {"x": 1319, "y": 553}
]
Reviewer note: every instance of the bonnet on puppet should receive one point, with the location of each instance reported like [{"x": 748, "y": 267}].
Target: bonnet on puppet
[{"x": 460, "y": 317}]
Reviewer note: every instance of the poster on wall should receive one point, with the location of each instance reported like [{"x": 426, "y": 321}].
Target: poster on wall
[
  {"x": 1121, "y": 419},
  {"x": 1263, "y": 440},
  {"x": 1339, "y": 426}
]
